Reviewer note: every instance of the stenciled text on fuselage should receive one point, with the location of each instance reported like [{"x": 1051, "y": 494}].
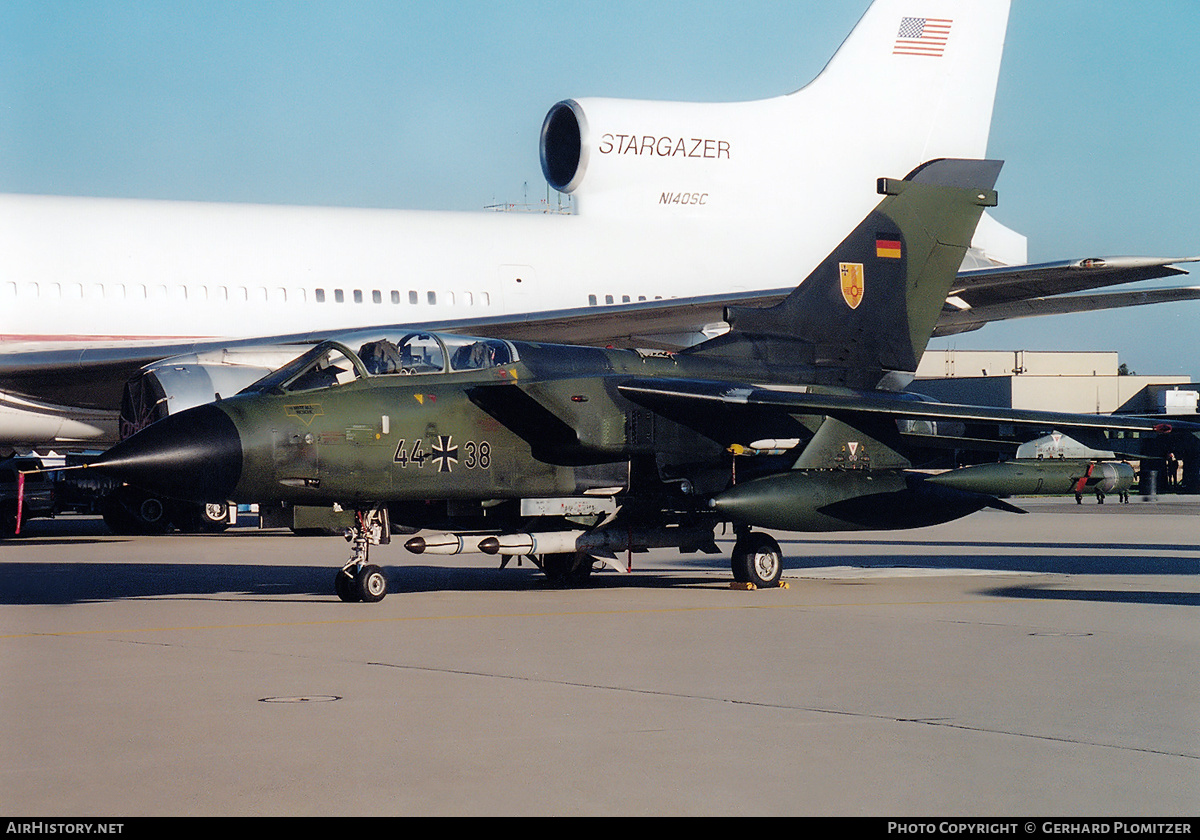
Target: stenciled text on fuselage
[{"x": 649, "y": 144}]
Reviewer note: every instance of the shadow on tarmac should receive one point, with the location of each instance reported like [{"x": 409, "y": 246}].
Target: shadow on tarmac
[
  {"x": 50, "y": 582},
  {"x": 73, "y": 583},
  {"x": 68, "y": 583},
  {"x": 1047, "y": 593}
]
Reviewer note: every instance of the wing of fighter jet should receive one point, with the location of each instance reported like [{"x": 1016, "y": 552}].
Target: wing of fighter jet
[{"x": 692, "y": 403}]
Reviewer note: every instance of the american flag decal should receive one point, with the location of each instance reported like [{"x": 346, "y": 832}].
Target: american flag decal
[{"x": 922, "y": 36}]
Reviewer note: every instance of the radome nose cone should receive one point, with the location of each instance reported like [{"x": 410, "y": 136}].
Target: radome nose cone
[{"x": 195, "y": 455}]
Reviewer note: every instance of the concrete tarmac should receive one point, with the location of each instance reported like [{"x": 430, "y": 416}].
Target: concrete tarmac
[{"x": 1001, "y": 665}]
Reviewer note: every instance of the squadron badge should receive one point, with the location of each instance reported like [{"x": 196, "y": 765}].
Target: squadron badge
[{"x": 852, "y": 283}]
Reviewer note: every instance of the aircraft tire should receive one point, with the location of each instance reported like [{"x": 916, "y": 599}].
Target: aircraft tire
[
  {"x": 128, "y": 510},
  {"x": 567, "y": 569},
  {"x": 371, "y": 584},
  {"x": 214, "y": 517},
  {"x": 211, "y": 518},
  {"x": 737, "y": 563},
  {"x": 757, "y": 559},
  {"x": 345, "y": 587}
]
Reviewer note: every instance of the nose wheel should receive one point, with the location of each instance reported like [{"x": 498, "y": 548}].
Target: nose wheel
[
  {"x": 359, "y": 580},
  {"x": 367, "y": 584}
]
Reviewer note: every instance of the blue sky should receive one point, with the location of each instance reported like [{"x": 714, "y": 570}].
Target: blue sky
[{"x": 439, "y": 105}]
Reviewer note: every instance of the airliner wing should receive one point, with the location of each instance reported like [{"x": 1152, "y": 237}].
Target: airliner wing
[
  {"x": 670, "y": 324},
  {"x": 92, "y": 374},
  {"x": 980, "y": 297}
]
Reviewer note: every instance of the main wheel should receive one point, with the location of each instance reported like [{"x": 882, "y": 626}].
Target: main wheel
[
  {"x": 128, "y": 510},
  {"x": 211, "y": 518},
  {"x": 151, "y": 514},
  {"x": 568, "y": 569},
  {"x": 757, "y": 559},
  {"x": 737, "y": 562},
  {"x": 371, "y": 584}
]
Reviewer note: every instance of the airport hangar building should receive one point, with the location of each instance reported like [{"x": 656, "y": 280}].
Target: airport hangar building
[{"x": 1076, "y": 382}]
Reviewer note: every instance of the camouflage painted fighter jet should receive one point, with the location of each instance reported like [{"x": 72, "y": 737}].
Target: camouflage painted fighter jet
[{"x": 793, "y": 420}]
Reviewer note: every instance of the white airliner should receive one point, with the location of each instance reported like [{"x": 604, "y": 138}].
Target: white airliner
[{"x": 679, "y": 209}]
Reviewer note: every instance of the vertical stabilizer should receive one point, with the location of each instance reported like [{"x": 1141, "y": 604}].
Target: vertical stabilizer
[
  {"x": 921, "y": 73},
  {"x": 914, "y": 81},
  {"x": 866, "y": 313}
]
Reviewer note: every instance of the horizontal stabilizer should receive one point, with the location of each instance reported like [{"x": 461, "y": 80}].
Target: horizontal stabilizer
[
  {"x": 980, "y": 296},
  {"x": 966, "y": 320}
]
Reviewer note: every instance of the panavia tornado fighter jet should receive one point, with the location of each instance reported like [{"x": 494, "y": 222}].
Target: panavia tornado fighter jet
[{"x": 571, "y": 455}]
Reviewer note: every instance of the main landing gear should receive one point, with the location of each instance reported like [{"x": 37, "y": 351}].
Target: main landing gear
[
  {"x": 565, "y": 570},
  {"x": 757, "y": 559},
  {"x": 359, "y": 580}
]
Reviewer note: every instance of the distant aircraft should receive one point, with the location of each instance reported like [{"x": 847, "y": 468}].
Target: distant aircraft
[
  {"x": 681, "y": 209},
  {"x": 572, "y": 454}
]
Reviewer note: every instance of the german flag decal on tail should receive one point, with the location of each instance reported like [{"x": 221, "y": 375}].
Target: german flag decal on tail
[{"x": 887, "y": 248}]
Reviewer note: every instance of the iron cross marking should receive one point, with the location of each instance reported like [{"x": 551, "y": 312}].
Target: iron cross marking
[{"x": 444, "y": 453}]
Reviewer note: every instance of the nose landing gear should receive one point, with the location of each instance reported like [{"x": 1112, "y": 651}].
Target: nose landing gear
[{"x": 359, "y": 580}]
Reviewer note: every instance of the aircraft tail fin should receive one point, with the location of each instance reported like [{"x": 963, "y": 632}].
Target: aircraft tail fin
[
  {"x": 919, "y": 72},
  {"x": 915, "y": 80},
  {"x": 865, "y": 314}
]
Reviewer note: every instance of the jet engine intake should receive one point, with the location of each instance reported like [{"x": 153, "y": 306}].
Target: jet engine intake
[
  {"x": 562, "y": 148},
  {"x": 182, "y": 382},
  {"x": 641, "y": 156}
]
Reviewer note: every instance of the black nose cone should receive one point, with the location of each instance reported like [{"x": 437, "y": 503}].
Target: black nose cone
[{"x": 195, "y": 455}]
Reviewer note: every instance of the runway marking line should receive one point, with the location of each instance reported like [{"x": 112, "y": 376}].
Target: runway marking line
[{"x": 558, "y": 614}]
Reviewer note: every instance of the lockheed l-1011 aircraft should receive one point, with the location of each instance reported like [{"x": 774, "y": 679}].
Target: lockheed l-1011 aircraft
[
  {"x": 571, "y": 454},
  {"x": 680, "y": 209}
]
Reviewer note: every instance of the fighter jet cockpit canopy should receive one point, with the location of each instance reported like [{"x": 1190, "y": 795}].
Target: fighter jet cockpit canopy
[{"x": 332, "y": 363}]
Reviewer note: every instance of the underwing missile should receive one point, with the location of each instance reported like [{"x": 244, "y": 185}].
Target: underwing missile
[
  {"x": 438, "y": 544},
  {"x": 1034, "y": 477},
  {"x": 551, "y": 542}
]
